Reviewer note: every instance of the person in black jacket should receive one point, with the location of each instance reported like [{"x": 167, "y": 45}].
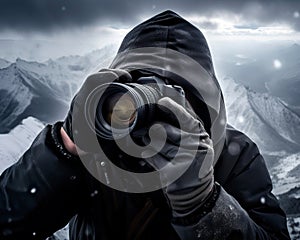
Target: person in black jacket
[{"x": 209, "y": 180}]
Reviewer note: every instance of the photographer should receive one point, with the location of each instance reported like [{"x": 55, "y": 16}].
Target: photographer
[{"x": 180, "y": 173}]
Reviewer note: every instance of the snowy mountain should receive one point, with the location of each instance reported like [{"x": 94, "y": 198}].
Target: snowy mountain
[
  {"x": 28, "y": 89},
  {"x": 262, "y": 117},
  {"x": 44, "y": 90}
]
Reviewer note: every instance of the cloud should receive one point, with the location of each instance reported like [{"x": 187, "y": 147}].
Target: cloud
[
  {"x": 253, "y": 27},
  {"x": 47, "y": 15}
]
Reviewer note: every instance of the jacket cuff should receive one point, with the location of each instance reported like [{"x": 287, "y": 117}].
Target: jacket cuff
[
  {"x": 227, "y": 220},
  {"x": 54, "y": 139},
  {"x": 200, "y": 212}
]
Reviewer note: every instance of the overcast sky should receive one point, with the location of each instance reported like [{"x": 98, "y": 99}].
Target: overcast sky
[{"x": 89, "y": 24}]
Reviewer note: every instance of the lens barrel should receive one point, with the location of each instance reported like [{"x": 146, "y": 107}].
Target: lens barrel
[{"x": 113, "y": 110}]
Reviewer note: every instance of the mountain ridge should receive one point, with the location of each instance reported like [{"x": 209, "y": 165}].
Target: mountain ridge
[{"x": 44, "y": 90}]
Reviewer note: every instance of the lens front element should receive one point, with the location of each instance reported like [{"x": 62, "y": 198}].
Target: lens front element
[{"x": 119, "y": 110}]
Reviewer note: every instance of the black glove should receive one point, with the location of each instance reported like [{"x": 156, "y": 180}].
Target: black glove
[
  {"x": 189, "y": 151},
  {"x": 85, "y": 135}
]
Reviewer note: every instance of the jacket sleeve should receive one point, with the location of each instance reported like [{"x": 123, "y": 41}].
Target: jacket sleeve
[
  {"x": 42, "y": 191},
  {"x": 252, "y": 213}
]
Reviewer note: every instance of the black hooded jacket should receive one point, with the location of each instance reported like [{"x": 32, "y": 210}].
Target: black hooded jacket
[{"x": 48, "y": 187}]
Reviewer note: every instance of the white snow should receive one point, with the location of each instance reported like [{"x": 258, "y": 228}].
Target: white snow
[
  {"x": 284, "y": 182},
  {"x": 33, "y": 190},
  {"x": 15, "y": 143},
  {"x": 293, "y": 224},
  {"x": 263, "y": 200},
  {"x": 239, "y": 113},
  {"x": 276, "y": 115}
]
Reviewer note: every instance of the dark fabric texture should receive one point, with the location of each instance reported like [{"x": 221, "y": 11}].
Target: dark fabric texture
[
  {"x": 44, "y": 190},
  {"x": 239, "y": 212},
  {"x": 39, "y": 194}
]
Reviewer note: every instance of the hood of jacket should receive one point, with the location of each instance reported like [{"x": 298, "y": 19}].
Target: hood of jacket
[{"x": 170, "y": 47}]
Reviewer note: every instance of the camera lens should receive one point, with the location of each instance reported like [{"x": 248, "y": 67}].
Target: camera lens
[
  {"x": 119, "y": 110},
  {"x": 113, "y": 110}
]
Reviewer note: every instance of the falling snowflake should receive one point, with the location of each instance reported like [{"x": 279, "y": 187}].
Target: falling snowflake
[
  {"x": 33, "y": 190},
  {"x": 277, "y": 64},
  {"x": 241, "y": 119},
  {"x": 73, "y": 177},
  {"x": 234, "y": 148},
  {"x": 223, "y": 121},
  {"x": 93, "y": 194}
]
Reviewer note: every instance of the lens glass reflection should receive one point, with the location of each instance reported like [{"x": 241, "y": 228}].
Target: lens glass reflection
[{"x": 119, "y": 110}]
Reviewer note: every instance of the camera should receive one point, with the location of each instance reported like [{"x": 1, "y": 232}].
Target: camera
[{"x": 115, "y": 109}]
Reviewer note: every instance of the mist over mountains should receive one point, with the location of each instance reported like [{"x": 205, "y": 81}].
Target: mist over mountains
[{"x": 265, "y": 68}]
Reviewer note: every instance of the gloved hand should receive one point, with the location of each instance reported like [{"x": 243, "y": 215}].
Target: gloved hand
[
  {"x": 85, "y": 136},
  {"x": 189, "y": 151}
]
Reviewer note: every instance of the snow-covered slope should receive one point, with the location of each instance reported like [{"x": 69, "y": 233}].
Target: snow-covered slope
[
  {"x": 286, "y": 174},
  {"x": 14, "y": 143},
  {"x": 28, "y": 89},
  {"x": 269, "y": 122},
  {"x": 278, "y": 116}
]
